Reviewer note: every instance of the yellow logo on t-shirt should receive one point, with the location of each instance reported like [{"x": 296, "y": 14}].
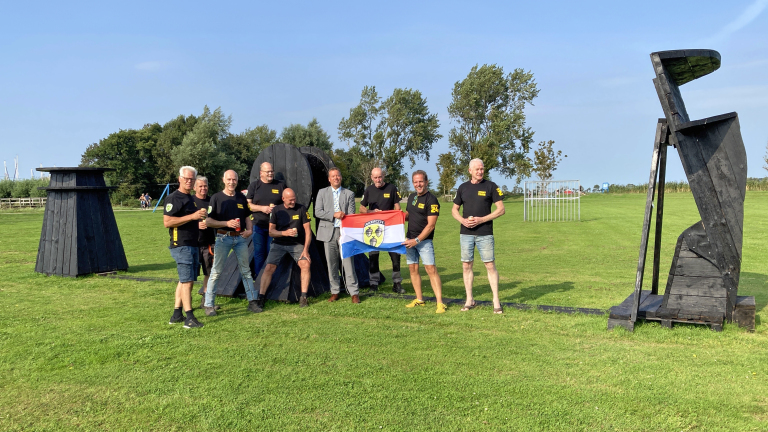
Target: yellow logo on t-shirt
[
  {"x": 386, "y": 195},
  {"x": 434, "y": 208},
  {"x": 275, "y": 191},
  {"x": 421, "y": 205},
  {"x": 499, "y": 192},
  {"x": 308, "y": 217},
  {"x": 295, "y": 217},
  {"x": 239, "y": 206},
  {"x": 480, "y": 193}
]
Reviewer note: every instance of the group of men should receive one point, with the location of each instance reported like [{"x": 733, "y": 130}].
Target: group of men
[{"x": 205, "y": 230}]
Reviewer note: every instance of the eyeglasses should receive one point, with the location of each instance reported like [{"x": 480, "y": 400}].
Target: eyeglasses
[
  {"x": 268, "y": 172},
  {"x": 189, "y": 179}
]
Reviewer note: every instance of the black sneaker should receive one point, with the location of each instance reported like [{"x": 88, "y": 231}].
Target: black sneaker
[
  {"x": 374, "y": 288},
  {"x": 192, "y": 322},
  {"x": 397, "y": 288},
  {"x": 254, "y": 306},
  {"x": 303, "y": 301},
  {"x": 209, "y": 311},
  {"x": 177, "y": 317}
]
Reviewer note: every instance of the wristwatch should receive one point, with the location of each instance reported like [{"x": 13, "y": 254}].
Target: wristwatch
[{"x": 417, "y": 240}]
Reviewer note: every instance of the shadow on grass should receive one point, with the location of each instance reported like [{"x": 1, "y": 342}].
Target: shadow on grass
[
  {"x": 133, "y": 268},
  {"x": 532, "y": 293},
  {"x": 754, "y": 284}
]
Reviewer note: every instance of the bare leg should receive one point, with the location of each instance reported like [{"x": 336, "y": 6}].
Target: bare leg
[
  {"x": 266, "y": 278},
  {"x": 493, "y": 278},
  {"x": 469, "y": 279},
  {"x": 415, "y": 280},
  {"x": 434, "y": 280},
  {"x": 305, "y": 275},
  {"x": 177, "y": 303},
  {"x": 184, "y": 290}
]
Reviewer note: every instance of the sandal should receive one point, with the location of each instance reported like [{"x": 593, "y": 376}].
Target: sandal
[
  {"x": 498, "y": 311},
  {"x": 472, "y": 306}
]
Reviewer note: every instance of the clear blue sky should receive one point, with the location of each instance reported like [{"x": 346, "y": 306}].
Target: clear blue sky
[{"x": 73, "y": 72}]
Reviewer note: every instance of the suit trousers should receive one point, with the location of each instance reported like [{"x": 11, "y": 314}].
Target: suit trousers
[{"x": 333, "y": 256}]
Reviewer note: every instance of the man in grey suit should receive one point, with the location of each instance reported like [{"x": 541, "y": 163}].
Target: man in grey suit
[{"x": 331, "y": 205}]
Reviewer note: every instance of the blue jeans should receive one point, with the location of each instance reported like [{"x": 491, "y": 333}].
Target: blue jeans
[
  {"x": 225, "y": 244},
  {"x": 261, "y": 244}
]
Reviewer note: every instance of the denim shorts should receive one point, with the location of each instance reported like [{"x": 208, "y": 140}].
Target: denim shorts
[
  {"x": 484, "y": 246},
  {"x": 425, "y": 250},
  {"x": 187, "y": 262}
]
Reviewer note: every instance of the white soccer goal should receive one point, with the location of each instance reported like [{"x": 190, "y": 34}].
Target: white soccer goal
[{"x": 552, "y": 201}]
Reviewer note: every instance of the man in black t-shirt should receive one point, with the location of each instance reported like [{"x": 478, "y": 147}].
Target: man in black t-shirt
[
  {"x": 207, "y": 236},
  {"x": 263, "y": 195},
  {"x": 382, "y": 196},
  {"x": 181, "y": 216},
  {"x": 230, "y": 215},
  {"x": 421, "y": 212},
  {"x": 289, "y": 226},
  {"x": 476, "y": 196}
]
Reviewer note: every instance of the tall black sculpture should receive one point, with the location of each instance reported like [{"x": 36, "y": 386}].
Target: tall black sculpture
[
  {"x": 79, "y": 233},
  {"x": 703, "y": 280},
  {"x": 305, "y": 170}
]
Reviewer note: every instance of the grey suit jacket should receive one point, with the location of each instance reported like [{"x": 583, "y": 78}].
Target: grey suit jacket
[{"x": 324, "y": 210}]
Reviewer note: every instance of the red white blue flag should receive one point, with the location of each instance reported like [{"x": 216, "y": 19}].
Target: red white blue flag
[{"x": 374, "y": 231}]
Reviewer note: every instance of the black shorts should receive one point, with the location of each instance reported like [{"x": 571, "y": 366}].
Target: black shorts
[{"x": 206, "y": 259}]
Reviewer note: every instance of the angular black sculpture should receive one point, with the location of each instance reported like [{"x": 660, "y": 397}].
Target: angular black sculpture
[
  {"x": 79, "y": 235},
  {"x": 704, "y": 277}
]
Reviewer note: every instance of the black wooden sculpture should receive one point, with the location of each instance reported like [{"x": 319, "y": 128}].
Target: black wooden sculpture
[
  {"x": 704, "y": 277},
  {"x": 79, "y": 234},
  {"x": 305, "y": 170}
]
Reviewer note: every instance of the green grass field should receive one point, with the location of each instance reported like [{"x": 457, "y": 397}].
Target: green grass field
[{"x": 97, "y": 354}]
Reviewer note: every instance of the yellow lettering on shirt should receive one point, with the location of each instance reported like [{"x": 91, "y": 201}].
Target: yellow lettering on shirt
[
  {"x": 434, "y": 208},
  {"x": 275, "y": 191},
  {"x": 386, "y": 195},
  {"x": 175, "y": 235},
  {"x": 499, "y": 192},
  {"x": 421, "y": 205},
  {"x": 295, "y": 217},
  {"x": 239, "y": 206},
  {"x": 308, "y": 217},
  {"x": 480, "y": 193}
]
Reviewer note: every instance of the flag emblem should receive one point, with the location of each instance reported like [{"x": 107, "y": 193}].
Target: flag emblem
[{"x": 373, "y": 232}]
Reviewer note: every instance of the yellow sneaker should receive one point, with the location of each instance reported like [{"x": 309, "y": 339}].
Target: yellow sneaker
[
  {"x": 415, "y": 302},
  {"x": 441, "y": 308}
]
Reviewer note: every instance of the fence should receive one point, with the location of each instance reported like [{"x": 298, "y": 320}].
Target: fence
[
  {"x": 22, "y": 202},
  {"x": 552, "y": 201}
]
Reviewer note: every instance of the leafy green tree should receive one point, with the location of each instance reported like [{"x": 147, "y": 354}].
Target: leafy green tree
[
  {"x": 130, "y": 153},
  {"x": 489, "y": 109},
  {"x": 447, "y": 172},
  {"x": 204, "y": 148},
  {"x": 170, "y": 137},
  {"x": 546, "y": 160},
  {"x": 386, "y": 133},
  {"x": 311, "y": 135},
  {"x": 246, "y": 146}
]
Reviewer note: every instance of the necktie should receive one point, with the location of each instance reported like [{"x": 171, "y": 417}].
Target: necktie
[{"x": 336, "y": 207}]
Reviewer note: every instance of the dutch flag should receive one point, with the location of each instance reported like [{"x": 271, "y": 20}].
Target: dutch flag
[{"x": 375, "y": 231}]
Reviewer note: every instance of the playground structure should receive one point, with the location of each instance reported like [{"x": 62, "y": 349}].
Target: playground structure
[{"x": 704, "y": 276}]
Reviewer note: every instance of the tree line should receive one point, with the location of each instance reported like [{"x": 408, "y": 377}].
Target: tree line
[{"x": 487, "y": 110}]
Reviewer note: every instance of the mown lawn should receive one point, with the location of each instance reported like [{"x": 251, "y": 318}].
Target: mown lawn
[{"x": 98, "y": 354}]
